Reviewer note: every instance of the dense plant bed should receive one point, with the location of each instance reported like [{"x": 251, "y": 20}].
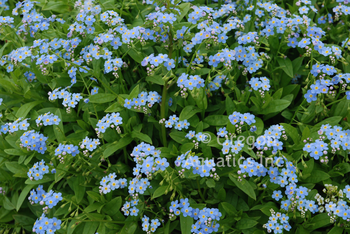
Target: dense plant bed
[{"x": 175, "y": 116}]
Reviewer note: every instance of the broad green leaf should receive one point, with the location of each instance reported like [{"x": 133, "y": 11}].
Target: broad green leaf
[
  {"x": 318, "y": 221},
  {"x": 186, "y": 224},
  {"x": 317, "y": 176},
  {"x": 229, "y": 208},
  {"x": 244, "y": 185},
  {"x": 141, "y": 136},
  {"x": 23, "y": 195},
  {"x": 336, "y": 230},
  {"x": 160, "y": 191},
  {"x": 292, "y": 132},
  {"x": 179, "y": 137},
  {"x": 112, "y": 207},
  {"x": 245, "y": 223},
  {"x": 7, "y": 204},
  {"x": 331, "y": 121},
  {"x": 286, "y": 66},
  {"x": 276, "y": 106},
  {"x": 90, "y": 227},
  {"x": 343, "y": 108},
  {"x": 24, "y": 110},
  {"x": 79, "y": 188},
  {"x": 115, "y": 107},
  {"x": 16, "y": 169},
  {"x": 210, "y": 183},
  {"x": 185, "y": 7},
  {"x": 216, "y": 120},
  {"x": 58, "y": 129},
  {"x": 129, "y": 228},
  {"x": 102, "y": 98},
  {"x": 116, "y": 146},
  {"x": 155, "y": 79},
  {"x": 188, "y": 112}
]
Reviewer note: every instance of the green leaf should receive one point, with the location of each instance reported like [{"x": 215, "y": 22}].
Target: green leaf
[
  {"x": 95, "y": 196},
  {"x": 276, "y": 106},
  {"x": 116, "y": 146},
  {"x": 185, "y": 7},
  {"x": 58, "y": 129},
  {"x": 24, "y": 109},
  {"x": 292, "y": 132},
  {"x": 136, "y": 55},
  {"x": 317, "y": 176},
  {"x": 179, "y": 137},
  {"x": 318, "y": 221},
  {"x": 79, "y": 188},
  {"x": 188, "y": 112},
  {"x": 244, "y": 185},
  {"x": 186, "y": 224},
  {"x": 297, "y": 64},
  {"x": 246, "y": 223},
  {"x": 115, "y": 107},
  {"x": 259, "y": 126},
  {"x": 331, "y": 121},
  {"x": 90, "y": 227},
  {"x": 229, "y": 208},
  {"x": 336, "y": 230},
  {"x": 112, "y": 207},
  {"x": 129, "y": 228},
  {"x": 216, "y": 120},
  {"x": 155, "y": 79},
  {"x": 342, "y": 108},
  {"x": 102, "y": 98},
  {"x": 14, "y": 152},
  {"x": 286, "y": 66},
  {"x": 160, "y": 191},
  {"x": 23, "y": 195},
  {"x": 16, "y": 169},
  {"x": 210, "y": 183},
  {"x": 141, "y": 136},
  {"x": 8, "y": 204},
  {"x": 59, "y": 7}
]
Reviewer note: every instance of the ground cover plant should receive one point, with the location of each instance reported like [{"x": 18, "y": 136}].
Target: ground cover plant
[{"x": 203, "y": 116}]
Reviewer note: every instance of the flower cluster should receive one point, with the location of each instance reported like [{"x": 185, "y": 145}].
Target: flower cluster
[
  {"x": 89, "y": 144},
  {"x": 46, "y": 225},
  {"x": 206, "y": 219},
  {"x": 131, "y": 205},
  {"x": 148, "y": 226},
  {"x": 63, "y": 150},
  {"x": 237, "y": 117},
  {"x": 216, "y": 83},
  {"x": 34, "y": 141},
  {"x": 277, "y": 222},
  {"x": 143, "y": 99},
  {"x": 70, "y": 100},
  {"x": 47, "y": 119},
  {"x": 252, "y": 168},
  {"x": 200, "y": 166},
  {"x": 185, "y": 82},
  {"x": 17, "y": 125},
  {"x": 337, "y": 137},
  {"x": 155, "y": 61},
  {"x": 260, "y": 83},
  {"x": 271, "y": 138},
  {"x": 174, "y": 121},
  {"x": 110, "y": 183},
  {"x": 38, "y": 170},
  {"x": 148, "y": 160},
  {"x": 50, "y": 199},
  {"x": 110, "y": 120}
]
